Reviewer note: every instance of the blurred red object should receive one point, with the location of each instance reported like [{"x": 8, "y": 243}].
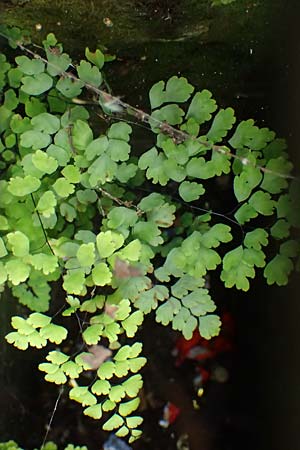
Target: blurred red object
[
  {"x": 200, "y": 349},
  {"x": 170, "y": 414}
]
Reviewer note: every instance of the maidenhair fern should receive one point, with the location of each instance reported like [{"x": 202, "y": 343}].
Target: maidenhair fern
[
  {"x": 113, "y": 224},
  {"x": 12, "y": 445}
]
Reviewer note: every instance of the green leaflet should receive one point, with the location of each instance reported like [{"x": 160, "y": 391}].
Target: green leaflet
[
  {"x": 36, "y": 84},
  {"x": 30, "y": 66},
  {"x": 209, "y": 326},
  {"x": 238, "y": 266},
  {"x": 69, "y": 88},
  {"x": 201, "y": 107},
  {"x": 44, "y": 162},
  {"x": 19, "y": 243},
  {"x": 46, "y": 122},
  {"x": 154, "y": 163},
  {"x": 171, "y": 114},
  {"x": 35, "y": 139},
  {"x": 46, "y": 204},
  {"x": 111, "y": 223},
  {"x": 190, "y": 191},
  {"x": 262, "y": 203},
  {"x": 94, "y": 411},
  {"x": 17, "y": 271},
  {"x": 101, "y": 274},
  {"x": 74, "y": 282},
  {"x": 96, "y": 57},
  {"x": 82, "y": 135},
  {"x": 58, "y": 63},
  {"x": 248, "y": 135},
  {"x": 82, "y": 395},
  {"x": 89, "y": 74},
  {"x": 86, "y": 254},
  {"x": 278, "y": 270},
  {"x": 3, "y": 251},
  {"x": 108, "y": 242},
  {"x": 222, "y": 122},
  {"x": 246, "y": 182},
  {"x": 23, "y": 186},
  {"x": 177, "y": 89}
]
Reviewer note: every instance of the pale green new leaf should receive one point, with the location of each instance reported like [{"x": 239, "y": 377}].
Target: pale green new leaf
[
  {"x": 57, "y": 377},
  {"x": 20, "y": 187},
  {"x": 114, "y": 422},
  {"x": 43, "y": 162},
  {"x": 135, "y": 349},
  {"x": 101, "y": 387},
  {"x": 63, "y": 188},
  {"x": 106, "y": 370},
  {"x": 128, "y": 407},
  {"x": 116, "y": 393},
  {"x": 133, "y": 421},
  {"x": 17, "y": 271},
  {"x": 108, "y": 405},
  {"x": 71, "y": 173},
  {"x": 121, "y": 368},
  {"x": 101, "y": 274},
  {"x": 46, "y": 204},
  {"x": 135, "y": 364},
  {"x": 94, "y": 411},
  {"x": 82, "y": 395},
  {"x": 108, "y": 242},
  {"x": 132, "y": 385},
  {"x": 199, "y": 302},
  {"x": 20, "y": 324},
  {"x": 54, "y": 333},
  {"x": 86, "y": 254},
  {"x": 132, "y": 323},
  {"x": 74, "y": 282},
  {"x": 92, "y": 334},
  {"x": 236, "y": 270},
  {"x": 38, "y": 320},
  {"x": 56, "y": 357},
  {"x": 18, "y": 340}
]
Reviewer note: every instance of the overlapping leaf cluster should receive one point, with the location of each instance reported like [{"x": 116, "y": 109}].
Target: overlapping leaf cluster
[
  {"x": 82, "y": 208},
  {"x": 12, "y": 445}
]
